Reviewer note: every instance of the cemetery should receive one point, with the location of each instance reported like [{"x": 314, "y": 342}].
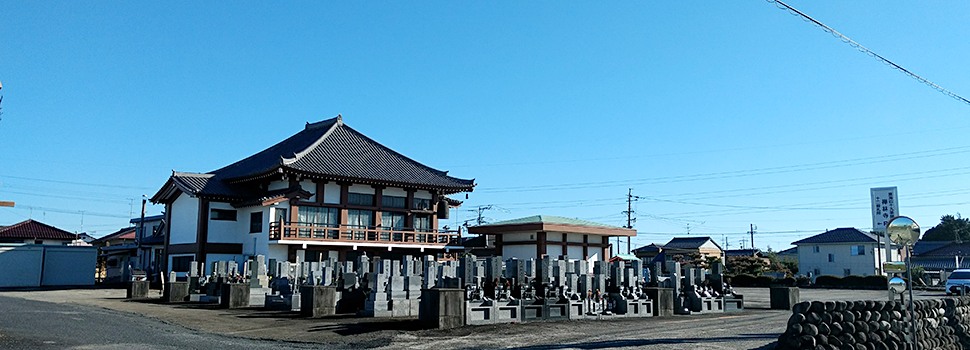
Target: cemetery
[{"x": 450, "y": 294}]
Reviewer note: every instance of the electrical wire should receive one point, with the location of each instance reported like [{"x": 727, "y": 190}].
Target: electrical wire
[{"x": 865, "y": 50}]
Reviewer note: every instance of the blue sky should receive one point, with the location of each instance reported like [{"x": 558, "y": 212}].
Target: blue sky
[{"x": 717, "y": 114}]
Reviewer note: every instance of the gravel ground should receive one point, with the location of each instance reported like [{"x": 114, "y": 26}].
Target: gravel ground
[{"x": 756, "y": 327}]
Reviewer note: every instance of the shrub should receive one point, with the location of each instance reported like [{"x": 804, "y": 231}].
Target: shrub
[
  {"x": 828, "y": 281},
  {"x": 876, "y": 281},
  {"x": 803, "y": 281},
  {"x": 853, "y": 281},
  {"x": 763, "y": 281},
  {"x": 784, "y": 282},
  {"x": 743, "y": 281}
]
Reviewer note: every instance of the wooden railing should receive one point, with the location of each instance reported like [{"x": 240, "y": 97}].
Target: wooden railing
[{"x": 357, "y": 234}]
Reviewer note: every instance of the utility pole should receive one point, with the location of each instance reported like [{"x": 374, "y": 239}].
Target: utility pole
[
  {"x": 742, "y": 242},
  {"x": 138, "y": 235},
  {"x": 752, "y": 239},
  {"x": 629, "y": 219}
]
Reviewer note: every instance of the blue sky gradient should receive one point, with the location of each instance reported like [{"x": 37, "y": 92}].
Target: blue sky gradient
[{"x": 717, "y": 114}]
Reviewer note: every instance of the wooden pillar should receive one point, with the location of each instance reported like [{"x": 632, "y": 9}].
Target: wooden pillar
[
  {"x": 168, "y": 235},
  {"x": 606, "y": 249},
  {"x": 498, "y": 244},
  {"x": 585, "y": 247},
  {"x": 540, "y": 244},
  {"x": 202, "y": 231},
  {"x": 321, "y": 187},
  {"x": 409, "y": 205},
  {"x": 379, "y": 203}
]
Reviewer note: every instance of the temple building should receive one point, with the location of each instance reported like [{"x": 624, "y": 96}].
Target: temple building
[
  {"x": 534, "y": 237},
  {"x": 328, "y": 191}
]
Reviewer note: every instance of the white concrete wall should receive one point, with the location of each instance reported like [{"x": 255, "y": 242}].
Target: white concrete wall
[
  {"x": 331, "y": 193},
  {"x": 185, "y": 220},
  {"x": 862, "y": 265},
  {"x": 521, "y": 252}
]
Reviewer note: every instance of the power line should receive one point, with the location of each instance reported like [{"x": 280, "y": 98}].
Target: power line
[
  {"x": 76, "y": 183},
  {"x": 736, "y": 173},
  {"x": 865, "y": 50}
]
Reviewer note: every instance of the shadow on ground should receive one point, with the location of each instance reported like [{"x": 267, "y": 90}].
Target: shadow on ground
[{"x": 611, "y": 344}]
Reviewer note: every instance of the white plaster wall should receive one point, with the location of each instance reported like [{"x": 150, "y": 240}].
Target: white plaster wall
[
  {"x": 365, "y": 189},
  {"x": 862, "y": 265},
  {"x": 185, "y": 219},
  {"x": 423, "y": 195},
  {"x": 278, "y": 185},
  {"x": 257, "y": 242},
  {"x": 394, "y": 191},
  {"x": 311, "y": 187},
  {"x": 518, "y": 237},
  {"x": 276, "y": 251},
  {"x": 225, "y": 231},
  {"x": 521, "y": 252},
  {"x": 554, "y": 251},
  {"x": 574, "y": 237},
  {"x": 331, "y": 193},
  {"x": 575, "y": 252}
]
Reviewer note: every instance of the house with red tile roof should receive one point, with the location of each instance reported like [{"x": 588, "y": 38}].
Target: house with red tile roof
[{"x": 35, "y": 232}]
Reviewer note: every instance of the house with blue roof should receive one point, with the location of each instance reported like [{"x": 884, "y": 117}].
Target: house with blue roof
[{"x": 842, "y": 252}]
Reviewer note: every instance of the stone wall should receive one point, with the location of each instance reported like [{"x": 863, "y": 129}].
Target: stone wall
[{"x": 939, "y": 324}]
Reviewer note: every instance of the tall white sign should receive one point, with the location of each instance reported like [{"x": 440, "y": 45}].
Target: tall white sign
[{"x": 885, "y": 206}]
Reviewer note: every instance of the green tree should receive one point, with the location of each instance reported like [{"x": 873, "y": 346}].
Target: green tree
[
  {"x": 696, "y": 260},
  {"x": 950, "y": 228},
  {"x": 747, "y": 265}
]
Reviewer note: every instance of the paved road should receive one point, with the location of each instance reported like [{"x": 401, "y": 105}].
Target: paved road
[
  {"x": 70, "y": 319},
  {"x": 27, "y": 324}
]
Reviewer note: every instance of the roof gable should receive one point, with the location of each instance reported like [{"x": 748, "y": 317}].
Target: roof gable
[
  {"x": 327, "y": 149},
  {"x": 691, "y": 243},
  {"x": 34, "y": 229},
  {"x": 839, "y": 235}
]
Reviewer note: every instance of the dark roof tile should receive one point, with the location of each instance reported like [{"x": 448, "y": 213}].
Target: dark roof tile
[
  {"x": 34, "y": 229},
  {"x": 839, "y": 235}
]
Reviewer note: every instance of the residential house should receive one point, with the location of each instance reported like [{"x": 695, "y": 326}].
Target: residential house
[
  {"x": 35, "y": 232},
  {"x": 790, "y": 254},
  {"x": 842, "y": 252},
  {"x": 744, "y": 252},
  {"x": 150, "y": 242},
  {"x": 705, "y": 246},
  {"x": 116, "y": 252},
  {"x": 938, "y": 259},
  {"x": 536, "y": 236},
  {"x": 648, "y": 253},
  {"x": 327, "y": 191}
]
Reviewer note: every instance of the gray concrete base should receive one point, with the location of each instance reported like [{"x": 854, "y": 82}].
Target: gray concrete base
[
  {"x": 784, "y": 298},
  {"x": 137, "y": 290},
  {"x": 176, "y": 292},
  {"x": 442, "y": 308},
  {"x": 663, "y": 300},
  {"x": 234, "y": 295},
  {"x": 733, "y": 305},
  {"x": 318, "y": 301}
]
